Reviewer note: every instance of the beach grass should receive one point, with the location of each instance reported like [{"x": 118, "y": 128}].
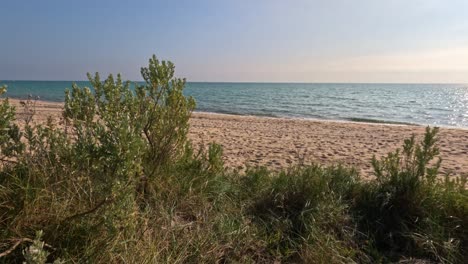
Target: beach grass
[{"x": 120, "y": 183}]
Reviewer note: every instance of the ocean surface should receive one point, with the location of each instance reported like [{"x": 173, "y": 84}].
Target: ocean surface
[{"x": 422, "y": 104}]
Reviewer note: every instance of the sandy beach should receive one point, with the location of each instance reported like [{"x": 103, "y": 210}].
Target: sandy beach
[{"x": 279, "y": 143}]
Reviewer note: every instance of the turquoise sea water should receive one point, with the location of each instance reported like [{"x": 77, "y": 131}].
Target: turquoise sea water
[{"x": 423, "y": 104}]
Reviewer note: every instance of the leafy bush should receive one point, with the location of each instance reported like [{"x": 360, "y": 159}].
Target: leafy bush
[
  {"x": 407, "y": 210},
  {"x": 10, "y": 135},
  {"x": 115, "y": 139}
]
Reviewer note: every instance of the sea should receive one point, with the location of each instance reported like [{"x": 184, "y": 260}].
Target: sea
[{"x": 444, "y": 105}]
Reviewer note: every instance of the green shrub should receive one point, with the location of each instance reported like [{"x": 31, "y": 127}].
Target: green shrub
[
  {"x": 130, "y": 131},
  {"x": 10, "y": 134},
  {"x": 408, "y": 211},
  {"x": 81, "y": 184}
]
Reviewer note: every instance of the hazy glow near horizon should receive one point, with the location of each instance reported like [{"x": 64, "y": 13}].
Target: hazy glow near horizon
[{"x": 238, "y": 40}]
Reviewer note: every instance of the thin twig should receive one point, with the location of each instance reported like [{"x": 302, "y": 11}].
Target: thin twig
[
  {"x": 12, "y": 248},
  {"x": 7, "y": 160},
  {"x": 18, "y": 242},
  {"x": 90, "y": 211}
]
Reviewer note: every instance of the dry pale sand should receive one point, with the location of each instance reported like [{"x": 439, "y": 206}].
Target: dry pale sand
[{"x": 279, "y": 143}]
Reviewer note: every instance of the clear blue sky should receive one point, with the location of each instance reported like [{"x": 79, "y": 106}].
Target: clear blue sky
[{"x": 238, "y": 40}]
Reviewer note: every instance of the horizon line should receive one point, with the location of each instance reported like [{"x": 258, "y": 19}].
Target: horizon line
[{"x": 250, "y": 82}]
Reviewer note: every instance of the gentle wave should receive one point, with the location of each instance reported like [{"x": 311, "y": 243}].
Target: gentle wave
[{"x": 377, "y": 121}]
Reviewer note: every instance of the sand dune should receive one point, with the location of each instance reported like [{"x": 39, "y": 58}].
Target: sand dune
[{"x": 279, "y": 143}]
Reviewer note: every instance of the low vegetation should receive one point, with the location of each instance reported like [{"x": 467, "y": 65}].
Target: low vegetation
[{"x": 118, "y": 182}]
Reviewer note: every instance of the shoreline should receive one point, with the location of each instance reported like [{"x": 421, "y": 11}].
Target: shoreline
[
  {"x": 322, "y": 120},
  {"x": 278, "y": 143}
]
